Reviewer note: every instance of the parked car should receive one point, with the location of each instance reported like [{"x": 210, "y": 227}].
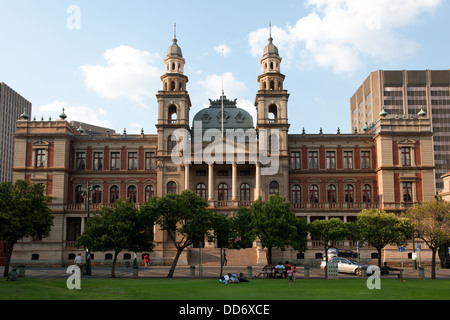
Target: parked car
[
  {"x": 343, "y": 253},
  {"x": 347, "y": 266}
]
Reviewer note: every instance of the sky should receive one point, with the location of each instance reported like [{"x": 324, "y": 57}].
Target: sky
[{"x": 102, "y": 60}]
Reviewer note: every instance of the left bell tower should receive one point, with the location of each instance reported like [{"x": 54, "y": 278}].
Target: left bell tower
[
  {"x": 173, "y": 114},
  {"x": 173, "y": 100}
]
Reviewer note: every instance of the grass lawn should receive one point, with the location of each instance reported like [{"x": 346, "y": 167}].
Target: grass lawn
[{"x": 208, "y": 289}]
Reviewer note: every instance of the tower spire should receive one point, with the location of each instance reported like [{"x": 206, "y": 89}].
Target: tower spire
[{"x": 175, "y": 30}]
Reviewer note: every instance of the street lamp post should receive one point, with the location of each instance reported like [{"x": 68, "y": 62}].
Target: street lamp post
[{"x": 88, "y": 270}]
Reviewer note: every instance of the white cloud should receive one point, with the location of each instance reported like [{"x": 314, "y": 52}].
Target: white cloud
[
  {"x": 340, "y": 34},
  {"x": 76, "y": 113},
  {"x": 129, "y": 73},
  {"x": 223, "y": 48}
]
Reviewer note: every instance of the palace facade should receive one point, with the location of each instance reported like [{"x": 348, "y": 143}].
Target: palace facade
[{"x": 388, "y": 167}]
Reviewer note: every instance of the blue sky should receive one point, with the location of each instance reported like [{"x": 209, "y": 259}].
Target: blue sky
[{"x": 104, "y": 65}]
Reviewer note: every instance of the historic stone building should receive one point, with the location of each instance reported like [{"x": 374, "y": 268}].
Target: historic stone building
[{"x": 388, "y": 167}]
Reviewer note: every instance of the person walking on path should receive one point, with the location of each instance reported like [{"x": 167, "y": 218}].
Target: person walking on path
[{"x": 147, "y": 260}]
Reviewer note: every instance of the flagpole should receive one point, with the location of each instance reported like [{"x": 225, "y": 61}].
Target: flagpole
[{"x": 222, "y": 95}]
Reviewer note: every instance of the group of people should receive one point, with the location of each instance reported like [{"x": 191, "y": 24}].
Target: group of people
[
  {"x": 232, "y": 278},
  {"x": 283, "y": 270}
]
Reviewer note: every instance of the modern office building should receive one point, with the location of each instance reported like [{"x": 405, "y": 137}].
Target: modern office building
[
  {"x": 407, "y": 94},
  {"x": 12, "y": 106},
  {"x": 322, "y": 175}
]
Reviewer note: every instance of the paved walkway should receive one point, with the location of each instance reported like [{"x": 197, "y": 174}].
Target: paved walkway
[{"x": 207, "y": 272}]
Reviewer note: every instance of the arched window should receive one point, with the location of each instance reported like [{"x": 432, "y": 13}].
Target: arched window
[
  {"x": 272, "y": 85},
  {"x": 113, "y": 194},
  {"x": 349, "y": 193},
  {"x": 201, "y": 190},
  {"x": 132, "y": 194},
  {"x": 245, "y": 192},
  {"x": 273, "y": 114},
  {"x": 223, "y": 192},
  {"x": 171, "y": 187},
  {"x": 172, "y": 112},
  {"x": 97, "y": 194},
  {"x": 313, "y": 193},
  {"x": 367, "y": 193},
  {"x": 171, "y": 143},
  {"x": 296, "y": 194},
  {"x": 331, "y": 193},
  {"x": 274, "y": 188},
  {"x": 79, "y": 198},
  {"x": 172, "y": 86},
  {"x": 149, "y": 192},
  {"x": 273, "y": 144}
]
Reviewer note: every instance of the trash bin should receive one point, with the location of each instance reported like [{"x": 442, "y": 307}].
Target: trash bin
[
  {"x": 249, "y": 271},
  {"x": 306, "y": 273},
  {"x": 421, "y": 273},
  {"x": 21, "y": 270},
  {"x": 135, "y": 270},
  {"x": 192, "y": 271}
]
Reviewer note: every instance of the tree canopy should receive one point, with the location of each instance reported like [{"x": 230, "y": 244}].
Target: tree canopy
[
  {"x": 24, "y": 212},
  {"x": 118, "y": 228},
  {"x": 276, "y": 225},
  {"x": 431, "y": 222},
  {"x": 184, "y": 216}
]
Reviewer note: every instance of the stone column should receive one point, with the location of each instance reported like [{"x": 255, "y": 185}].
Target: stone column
[
  {"x": 234, "y": 182},
  {"x": 186, "y": 176},
  {"x": 211, "y": 181},
  {"x": 257, "y": 180}
]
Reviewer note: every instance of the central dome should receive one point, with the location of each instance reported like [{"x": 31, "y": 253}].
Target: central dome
[{"x": 233, "y": 117}]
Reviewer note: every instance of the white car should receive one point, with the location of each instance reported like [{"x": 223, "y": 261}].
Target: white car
[{"x": 346, "y": 266}]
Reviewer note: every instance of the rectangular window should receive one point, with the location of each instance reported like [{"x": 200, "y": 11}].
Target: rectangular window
[
  {"x": 132, "y": 161},
  {"x": 115, "y": 160},
  {"x": 200, "y": 173},
  {"x": 313, "y": 160},
  {"x": 365, "y": 159},
  {"x": 295, "y": 160},
  {"x": 223, "y": 173},
  {"x": 348, "y": 159},
  {"x": 98, "y": 160},
  {"x": 81, "y": 161},
  {"x": 40, "y": 158},
  {"x": 406, "y": 156},
  {"x": 150, "y": 162},
  {"x": 330, "y": 159},
  {"x": 407, "y": 191}
]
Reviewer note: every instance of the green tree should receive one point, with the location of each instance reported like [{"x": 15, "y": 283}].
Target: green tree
[
  {"x": 329, "y": 231},
  {"x": 232, "y": 232},
  {"x": 24, "y": 212},
  {"x": 184, "y": 216},
  {"x": 379, "y": 229},
  {"x": 431, "y": 221},
  {"x": 276, "y": 225},
  {"x": 118, "y": 228}
]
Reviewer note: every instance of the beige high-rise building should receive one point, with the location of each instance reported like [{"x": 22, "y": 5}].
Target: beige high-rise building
[
  {"x": 12, "y": 106},
  {"x": 407, "y": 94}
]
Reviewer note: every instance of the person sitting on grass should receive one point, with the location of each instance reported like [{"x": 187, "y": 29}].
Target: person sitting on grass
[{"x": 13, "y": 275}]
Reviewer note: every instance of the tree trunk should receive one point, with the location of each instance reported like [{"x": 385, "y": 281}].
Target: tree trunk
[
  {"x": 8, "y": 258},
  {"x": 269, "y": 255},
  {"x": 221, "y": 262},
  {"x": 433, "y": 263},
  {"x": 113, "y": 268},
  {"x": 379, "y": 257},
  {"x": 326, "y": 261},
  {"x": 174, "y": 263}
]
